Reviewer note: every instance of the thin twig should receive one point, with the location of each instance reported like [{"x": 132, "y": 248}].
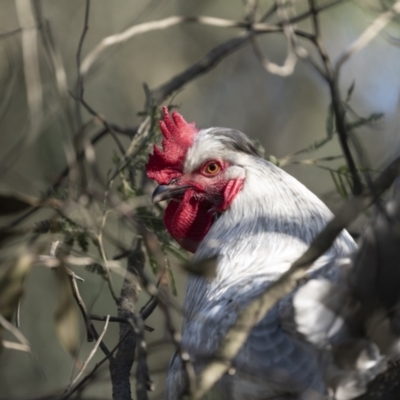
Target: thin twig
[
  {"x": 143, "y": 382},
  {"x": 165, "y": 23},
  {"x": 120, "y": 366},
  {"x": 152, "y": 26},
  {"x": 104, "y": 257},
  {"x": 60, "y": 179},
  {"x": 147, "y": 310},
  {"x": 92, "y": 353},
  {"x": 89, "y": 376},
  {"x": 15, "y": 346},
  {"x": 209, "y": 61},
  {"x": 33, "y": 81},
  {"x": 191, "y": 384},
  {"x": 96, "y": 317},
  {"x": 106, "y": 124},
  {"x": 79, "y": 83},
  {"x": 16, "y": 332},
  {"x": 339, "y": 112},
  {"x": 5, "y": 35},
  {"x": 82, "y": 307},
  {"x": 369, "y": 34}
]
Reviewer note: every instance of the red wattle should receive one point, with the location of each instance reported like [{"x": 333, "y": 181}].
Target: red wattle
[
  {"x": 188, "y": 220},
  {"x": 232, "y": 188}
]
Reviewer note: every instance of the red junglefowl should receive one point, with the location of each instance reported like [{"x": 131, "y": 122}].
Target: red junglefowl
[{"x": 226, "y": 201}]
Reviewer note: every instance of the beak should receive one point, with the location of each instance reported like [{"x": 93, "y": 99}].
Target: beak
[{"x": 165, "y": 192}]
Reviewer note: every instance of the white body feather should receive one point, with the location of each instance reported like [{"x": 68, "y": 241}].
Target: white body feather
[{"x": 268, "y": 226}]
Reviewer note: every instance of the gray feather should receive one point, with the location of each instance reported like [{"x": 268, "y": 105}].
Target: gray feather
[{"x": 295, "y": 351}]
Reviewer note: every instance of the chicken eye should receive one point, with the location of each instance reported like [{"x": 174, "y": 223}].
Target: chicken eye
[{"x": 212, "y": 168}]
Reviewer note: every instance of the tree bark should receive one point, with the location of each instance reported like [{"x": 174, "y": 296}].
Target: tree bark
[{"x": 121, "y": 365}]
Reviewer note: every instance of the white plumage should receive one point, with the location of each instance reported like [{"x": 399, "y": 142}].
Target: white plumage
[{"x": 268, "y": 225}]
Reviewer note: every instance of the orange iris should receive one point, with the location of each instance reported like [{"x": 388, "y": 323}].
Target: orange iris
[{"x": 212, "y": 168}]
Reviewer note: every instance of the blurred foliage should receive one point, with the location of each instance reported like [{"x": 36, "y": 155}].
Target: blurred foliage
[
  {"x": 341, "y": 176},
  {"x": 66, "y": 316},
  {"x": 103, "y": 224}
]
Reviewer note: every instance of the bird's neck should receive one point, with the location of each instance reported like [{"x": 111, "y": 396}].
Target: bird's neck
[
  {"x": 269, "y": 225},
  {"x": 272, "y": 203}
]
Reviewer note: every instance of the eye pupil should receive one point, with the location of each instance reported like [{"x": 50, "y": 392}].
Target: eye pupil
[{"x": 212, "y": 168}]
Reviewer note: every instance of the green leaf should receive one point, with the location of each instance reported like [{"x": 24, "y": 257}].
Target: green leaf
[
  {"x": 272, "y": 159},
  {"x": 259, "y": 147},
  {"x": 126, "y": 189},
  {"x": 116, "y": 158},
  {"x": 96, "y": 269},
  {"x": 172, "y": 282},
  {"x": 374, "y": 117},
  {"x": 83, "y": 241},
  {"x": 153, "y": 263}
]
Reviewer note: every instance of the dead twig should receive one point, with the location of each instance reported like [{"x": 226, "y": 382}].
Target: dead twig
[
  {"x": 95, "y": 317},
  {"x": 33, "y": 81},
  {"x": 368, "y": 35},
  {"x": 92, "y": 353},
  {"x": 90, "y": 376},
  {"x": 332, "y": 79}
]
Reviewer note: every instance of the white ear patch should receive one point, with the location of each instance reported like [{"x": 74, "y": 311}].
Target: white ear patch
[{"x": 235, "y": 172}]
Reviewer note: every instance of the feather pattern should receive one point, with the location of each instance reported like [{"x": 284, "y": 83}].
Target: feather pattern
[
  {"x": 309, "y": 345},
  {"x": 268, "y": 226}
]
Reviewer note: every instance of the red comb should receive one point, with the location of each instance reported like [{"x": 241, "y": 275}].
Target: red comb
[{"x": 167, "y": 163}]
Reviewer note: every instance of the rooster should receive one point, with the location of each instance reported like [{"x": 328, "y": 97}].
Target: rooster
[{"x": 227, "y": 202}]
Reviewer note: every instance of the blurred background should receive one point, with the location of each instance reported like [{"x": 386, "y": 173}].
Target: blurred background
[{"x": 284, "y": 114}]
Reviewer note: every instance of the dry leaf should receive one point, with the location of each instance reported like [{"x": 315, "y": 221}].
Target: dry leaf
[{"x": 66, "y": 315}]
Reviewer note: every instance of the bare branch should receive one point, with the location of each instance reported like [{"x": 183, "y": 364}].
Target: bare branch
[
  {"x": 143, "y": 382},
  {"x": 15, "y": 346},
  {"x": 104, "y": 257},
  {"x": 5, "y": 35},
  {"x": 369, "y": 34},
  {"x": 89, "y": 376},
  {"x": 92, "y": 353},
  {"x": 31, "y": 62},
  {"x": 209, "y": 61},
  {"x": 95, "y": 317},
  {"x": 23, "y": 341},
  {"x": 58, "y": 181},
  {"x": 202, "y": 66},
  {"x": 79, "y": 86},
  {"x": 121, "y": 365},
  {"x": 82, "y": 307},
  {"x": 165, "y": 23},
  {"x": 331, "y": 78}
]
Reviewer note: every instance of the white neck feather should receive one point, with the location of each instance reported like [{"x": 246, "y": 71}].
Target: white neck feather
[{"x": 269, "y": 225}]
